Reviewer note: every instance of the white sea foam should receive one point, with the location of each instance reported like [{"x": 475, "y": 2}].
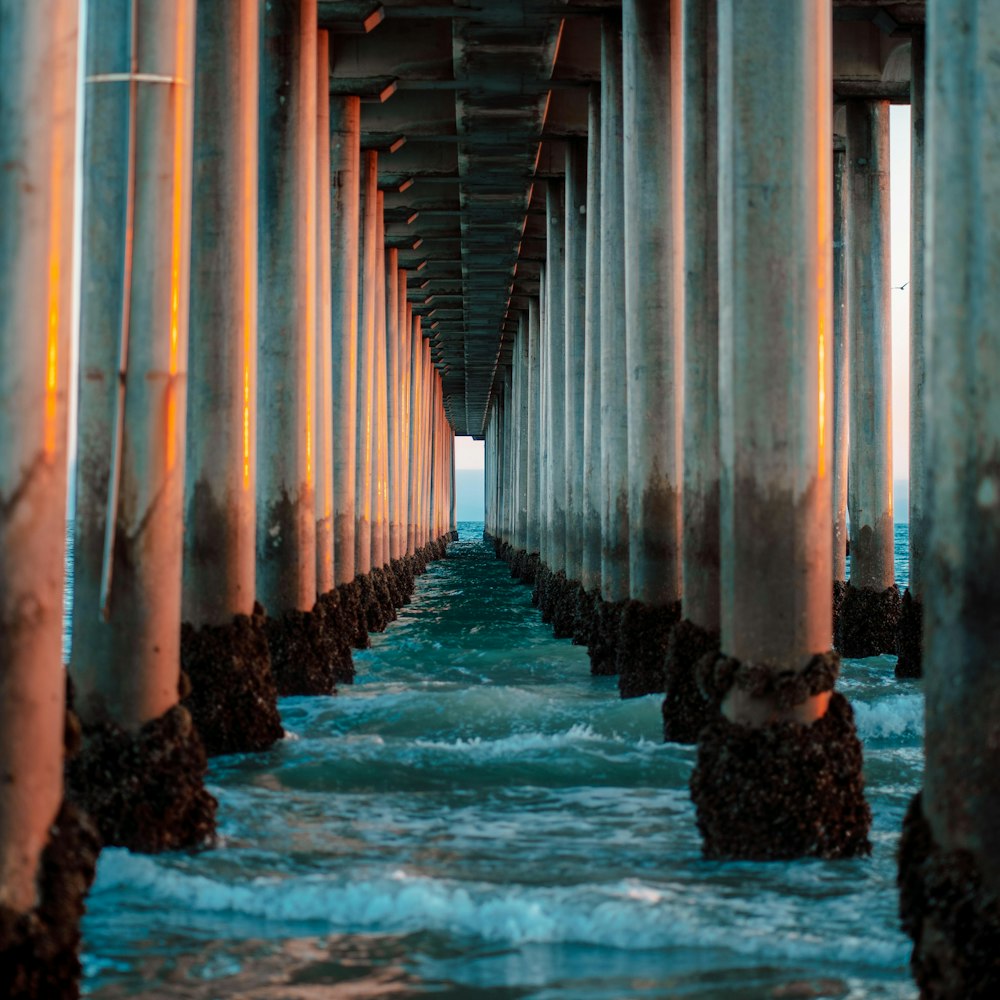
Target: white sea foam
[
  {"x": 628, "y": 914},
  {"x": 898, "y": 715}
]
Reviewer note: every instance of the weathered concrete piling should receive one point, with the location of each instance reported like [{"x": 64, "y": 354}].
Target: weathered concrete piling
[
  {"x": 138, "y": 742},
  {"x": 48, "y": 850},
  {"x": 685, "y": 709},
  {"x": 950, "y": 853},
  {"x": 869, "y": 611},
  {"x": 224, "y": 649},
  {"x": 774, "y": 681}
]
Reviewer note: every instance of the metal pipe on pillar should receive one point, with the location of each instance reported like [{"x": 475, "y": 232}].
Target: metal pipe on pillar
[
  {"x": 869, "y": 612},
  {"x": 782, "y": 730},
  {"x": 685, "y": 710},
  {"x": 224, "y": 652},
  {"x": 125, "y": 661},
  {"x": 653, "y": 343},
  {"x": 950, "y": 849},
  {"x": 38, "y": 833},
  {"x": 910, "y": 630}
]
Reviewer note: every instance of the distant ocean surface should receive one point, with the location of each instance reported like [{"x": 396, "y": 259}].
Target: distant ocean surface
[{"x": 479, "y": 817}]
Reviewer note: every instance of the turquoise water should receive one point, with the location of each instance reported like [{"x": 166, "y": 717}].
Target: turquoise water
[{"x": 479, "y": 817}]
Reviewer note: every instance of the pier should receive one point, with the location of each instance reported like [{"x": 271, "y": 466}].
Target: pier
[{"x": 263, "y": 262}]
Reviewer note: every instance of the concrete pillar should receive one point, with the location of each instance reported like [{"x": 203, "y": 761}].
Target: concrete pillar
[
  {"x": 590, "y": 571},
  {"x": 324, "y": 327},
  {"x": 870, "y": 609},
  {"x": 125, "y": 660},
  {"x": 127, "y": 608},
  {"x": 413, "y": 469},
  {"x": 379, "y": 507},
  {"x": 532, "y": 535},
  {"x": 522, "y": 353},
  {"x": 233, "y": 699},
  {"x": 841, "y": 363},
  {"x": 575, "y": 311},
  {"x": 219, "y": 570},
  {"x": 366, "y": 305},
  {"x": 405, "y": 349},
  {"x": 286, "y": 477},
  {"x": 394, "y": 317},
  {"x": 755, "y": 783},
  {"x": 685, "y": 711},
  {"x": 653, "y": 346},
  {"x": 555, "y": 352},
  {"x": 950, "y": 850},
  {"x": 614, "y": 392},
  {"x": 908, "y": 642},
  {"x": 38, "y": 50},
  {"x": 544, "y": 438},
  {"x": 653, "y": 341},
  {"x": 345, "y": 180}
]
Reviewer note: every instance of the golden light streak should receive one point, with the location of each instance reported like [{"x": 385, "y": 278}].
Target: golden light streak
[
  {"x": 824, "y": 181},
  {"x": 176, "y": 239},
  {"x": 249, "y": 226},
  {"x": 307, "y": 90},
  {"x": 51, "y": 434}
]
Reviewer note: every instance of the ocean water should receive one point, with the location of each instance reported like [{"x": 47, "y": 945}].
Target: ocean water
[{"x": 479, "y": 817}]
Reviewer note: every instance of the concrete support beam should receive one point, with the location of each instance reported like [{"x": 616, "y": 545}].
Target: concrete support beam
[
  {"x": 522, "y": 366},
  {"x": 379, "y": 506},
  {"x": 755, "y": 784},
  {"x": 392, "y": 394},
  {"x": 233, "y": 699},
  {"x": 125, "y": 660},
  {"x": 868, "y": 616},
  {"x": 133, "y": 356},
  {"x": 950, "y": 850},
  {"x": 219, "y": 547},
  {"x": 286, "y": 471},
  {"x": 555, "y": 353},
  {"x": 325, "y": 577},
  {"x": 575, "y": 348},
  {"x": 653, "y": 312},
  {"x": 590, "y": 571},
  {"x": 533, "y": 532},
  {"x": 366, "y": 305},
  {"x": 614, "y": 393},
  {"x": 345, "y": 180},
  {"x": 696, "y": 285},
  {"x": 38, "y": 50},
  {"x": 413, "y": 468}
]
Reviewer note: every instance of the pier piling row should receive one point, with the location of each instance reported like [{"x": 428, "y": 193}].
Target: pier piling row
[{"x": 641, "y": 249}]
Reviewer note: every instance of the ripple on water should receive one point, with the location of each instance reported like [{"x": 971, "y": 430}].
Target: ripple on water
[{"x": 478, "y": 816}]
